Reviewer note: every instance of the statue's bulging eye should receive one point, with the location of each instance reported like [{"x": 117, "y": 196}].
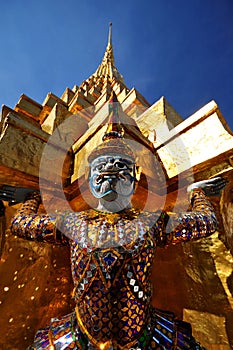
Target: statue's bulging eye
[
  {"x": 120, "y": 165},
  {"x": 99, "y": 167}
]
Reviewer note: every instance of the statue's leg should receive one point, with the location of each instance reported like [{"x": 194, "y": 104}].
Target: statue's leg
[
  {"x": 184, "y": 338},
  {"x": 170, "y": 333},
  {"x": 63, "y": 333},
  {"x": 41, "y": 340}
]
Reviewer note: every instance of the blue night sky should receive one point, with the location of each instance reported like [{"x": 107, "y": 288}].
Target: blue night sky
[{"x": 177, "y": 48}]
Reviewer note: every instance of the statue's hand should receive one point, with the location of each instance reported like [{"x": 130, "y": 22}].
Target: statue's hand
[
  {"x": 212, "y": 187},
  {"x": 14, "y": 195}
]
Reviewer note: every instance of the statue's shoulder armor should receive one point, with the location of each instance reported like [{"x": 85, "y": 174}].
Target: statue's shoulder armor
[
  {"x": 153, "y": 217},
  {"x": 80, "y": 215},
  {"x": 72, "y": 223}
]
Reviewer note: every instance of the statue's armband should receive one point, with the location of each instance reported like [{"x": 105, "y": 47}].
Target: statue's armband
[{"x": 199, "y": 222}]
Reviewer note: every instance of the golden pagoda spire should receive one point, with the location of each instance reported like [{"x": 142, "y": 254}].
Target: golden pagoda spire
[{"x": 107, "y": 67}]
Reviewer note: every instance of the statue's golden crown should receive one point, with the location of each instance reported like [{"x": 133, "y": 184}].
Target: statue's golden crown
[{"x": 113, "y": 140}]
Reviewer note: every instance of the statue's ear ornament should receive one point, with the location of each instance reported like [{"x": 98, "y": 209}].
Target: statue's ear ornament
[
  {"x": 138, "y": 171},
  {"x": 87, "y": 172}
]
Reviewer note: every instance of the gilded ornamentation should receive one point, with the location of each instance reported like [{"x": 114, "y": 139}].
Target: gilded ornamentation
[{"x": 112, "y": 251}]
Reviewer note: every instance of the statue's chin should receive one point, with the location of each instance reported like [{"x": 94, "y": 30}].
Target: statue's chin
[{"x": 110, "y": 196}]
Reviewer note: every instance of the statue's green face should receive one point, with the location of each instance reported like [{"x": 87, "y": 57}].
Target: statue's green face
[{"x": 112, "y": 176}]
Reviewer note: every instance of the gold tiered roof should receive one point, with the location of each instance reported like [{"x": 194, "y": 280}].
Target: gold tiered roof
[
  {"x": 38, "y": 121},
  {"x": 89, "y": 97},
  {"x": 25, "y": 129}
]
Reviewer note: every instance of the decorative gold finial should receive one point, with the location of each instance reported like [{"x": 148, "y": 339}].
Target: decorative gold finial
[{"x": 107, "y": 67}]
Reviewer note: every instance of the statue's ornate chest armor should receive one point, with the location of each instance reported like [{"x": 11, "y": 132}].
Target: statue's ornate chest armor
[{"x": 112, "y": 257}]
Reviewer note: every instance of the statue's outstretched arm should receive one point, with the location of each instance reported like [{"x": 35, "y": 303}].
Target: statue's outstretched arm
[
  {"x": 201, "y": 220},
  {"x": 41, "y": 227}
]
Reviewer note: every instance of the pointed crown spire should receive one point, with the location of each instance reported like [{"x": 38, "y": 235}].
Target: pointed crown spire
[
  {"x": 114, "y": 128},
  {"x": 113, "y": 141}
]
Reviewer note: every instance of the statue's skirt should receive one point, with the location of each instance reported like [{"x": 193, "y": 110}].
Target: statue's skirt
[{"x": 164, "y": 332}]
